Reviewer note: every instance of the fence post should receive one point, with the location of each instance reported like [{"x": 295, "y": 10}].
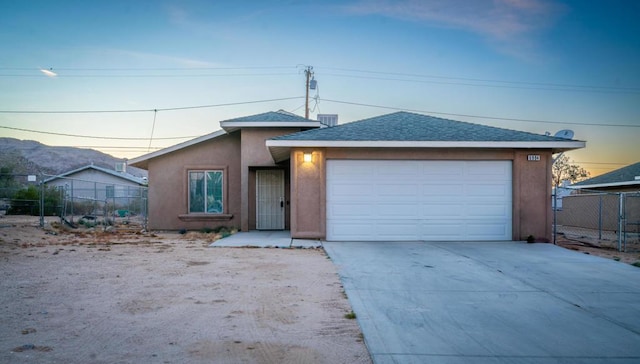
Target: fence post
[
  {"x": 41, "y": 201},
  {"x": 620, "y": 219},
  {"x": 600, "y": 218},
  {"x": 555, "y": 212}
]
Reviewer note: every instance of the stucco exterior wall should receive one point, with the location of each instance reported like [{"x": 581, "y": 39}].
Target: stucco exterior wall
[
  {"x": 531, "y": 184},
  {"x": 532, "y": 209},
  {"x": 255, "y": 154},
  {"x": 169, "y": 190}
]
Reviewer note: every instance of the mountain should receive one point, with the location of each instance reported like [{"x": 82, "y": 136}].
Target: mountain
[{"x": 31, "y": 157}]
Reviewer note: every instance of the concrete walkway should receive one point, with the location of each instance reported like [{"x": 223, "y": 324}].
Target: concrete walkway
[
  {"x": 504, "y": 302},
  {"x": 265, "y": 239}
]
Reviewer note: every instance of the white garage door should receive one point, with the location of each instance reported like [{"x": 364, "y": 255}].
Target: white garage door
[{"x": 404, "y": 200}]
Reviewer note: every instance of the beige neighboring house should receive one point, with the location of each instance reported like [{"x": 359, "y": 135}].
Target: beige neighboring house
[
  {"x": 625, "y": 179},
  {"x": 399, "y": 177}
]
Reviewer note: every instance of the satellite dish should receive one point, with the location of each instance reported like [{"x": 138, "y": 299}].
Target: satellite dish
[{"x": 564, "y": 134}]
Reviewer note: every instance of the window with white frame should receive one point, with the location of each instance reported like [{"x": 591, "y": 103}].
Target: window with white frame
[{"x": 205, "y": 192}]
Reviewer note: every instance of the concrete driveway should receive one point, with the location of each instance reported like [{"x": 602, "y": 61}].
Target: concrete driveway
[{"x": 504, "y": 302}]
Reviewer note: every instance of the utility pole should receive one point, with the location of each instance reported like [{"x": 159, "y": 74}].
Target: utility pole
[{"x": 308, "y": 73}]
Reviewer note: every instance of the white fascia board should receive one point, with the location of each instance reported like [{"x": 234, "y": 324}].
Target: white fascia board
[
  {"x": 564, "y": 145},
  {"x": 176, "y": 147},
  {"x": 611, "y": 184},
  {"x": 234, "y": 125}
]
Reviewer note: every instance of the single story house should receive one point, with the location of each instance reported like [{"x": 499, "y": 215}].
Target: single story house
[
  {"x": 92, "y": 182},
  {"x": 625, "y": 179},
  {"x": 400, "y": 176}
]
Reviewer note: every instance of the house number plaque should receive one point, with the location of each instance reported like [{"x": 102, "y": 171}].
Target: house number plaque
[{"x": 533, "y": 157}]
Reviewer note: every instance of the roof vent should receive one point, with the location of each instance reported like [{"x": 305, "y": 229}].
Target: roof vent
[{"x": 328, "y": 120}]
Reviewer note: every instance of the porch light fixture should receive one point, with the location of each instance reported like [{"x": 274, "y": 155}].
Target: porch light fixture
[{"x": 306, "y": 157}]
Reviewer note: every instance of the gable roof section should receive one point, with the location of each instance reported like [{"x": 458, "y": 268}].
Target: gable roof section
[
  {"x": 625, "y": 176},
  {"x": 124, "y": 176},
  {"x": 278, "y": 118},
  {"x": 141, "y": 162},
  {"x": 405, "y": 129},
  {"x": 265, "y": 120}
]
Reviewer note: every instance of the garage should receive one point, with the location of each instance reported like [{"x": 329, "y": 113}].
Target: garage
[{"x": 409, "y": 200}]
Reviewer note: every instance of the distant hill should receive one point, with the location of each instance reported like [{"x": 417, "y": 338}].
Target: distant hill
[{"x": 31, "y": 157}]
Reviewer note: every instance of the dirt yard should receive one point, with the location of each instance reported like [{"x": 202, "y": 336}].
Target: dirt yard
[
  {"x": 113, "y": 297},
  {"x": 587, "y": 246}
]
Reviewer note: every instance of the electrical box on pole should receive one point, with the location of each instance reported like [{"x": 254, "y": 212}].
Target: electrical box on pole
[{"x": 310, "y": 83}]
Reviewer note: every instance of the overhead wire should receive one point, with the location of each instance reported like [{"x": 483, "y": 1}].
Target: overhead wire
[
  {"x": 94, "y": 136},
  {"x": 144, "y": 110},
  {"x": 477, "y": 116},
  {"x": 552, "y": 85}
]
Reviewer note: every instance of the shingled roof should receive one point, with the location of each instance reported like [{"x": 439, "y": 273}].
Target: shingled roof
[
  {"x": 405, "y": 129},
  {"x": 271, "y": 116},
  {"x": 269, "y": 119},
  {"x": 624, "y": 176},
  {"x": 406, "y": 126}
]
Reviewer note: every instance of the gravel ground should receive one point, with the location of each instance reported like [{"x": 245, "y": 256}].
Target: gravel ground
[{"x": 110, "y": 297}]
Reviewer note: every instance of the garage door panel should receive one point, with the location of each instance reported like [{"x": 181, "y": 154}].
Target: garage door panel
[
  {"x": 492, "y": 190},
  {"x": 487, "y": 230},
  {"x": 439, "y": 211},
  {"x": 396, "y": 190},
  {"x": 418, "y": 200},
  {"x": 441, "y": 231},
  {"x": 352, "y": 189},
  {"x": 487, "y": 211},
  {"x": 350, "y": 210},
  {"x": 441, "y": 169},
  {"x": 399, "y": 211}
]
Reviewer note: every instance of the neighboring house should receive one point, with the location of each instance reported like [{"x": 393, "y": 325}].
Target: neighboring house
[
  {"x": 97, "y": 183},
  {"x": 401, "y": 176},
  {"x": 595, "y": 202},
  {"x": 625, "y": 179}
]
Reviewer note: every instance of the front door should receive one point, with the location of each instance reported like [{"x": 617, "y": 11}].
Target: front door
[{"x": 270, "y": 199}]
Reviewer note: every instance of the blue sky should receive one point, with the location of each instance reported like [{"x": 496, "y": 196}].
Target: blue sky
[{"x": 532, "y": 65}]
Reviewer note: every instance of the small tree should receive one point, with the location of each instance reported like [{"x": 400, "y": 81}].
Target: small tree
[
  {"x": 27, "y": 201},
  {"x": 563, "y": 169},
  {"x": 8, "y": 183}
]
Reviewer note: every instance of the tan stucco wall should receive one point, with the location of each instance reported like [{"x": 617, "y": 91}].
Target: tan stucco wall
[
  {"x": 531, "y": 185},
  {"x": 255, "y": 154},
  {"x": 168, "y": 190}
]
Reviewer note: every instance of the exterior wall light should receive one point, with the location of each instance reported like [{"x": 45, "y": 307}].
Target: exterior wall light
[{"x": 306, "y": 157}]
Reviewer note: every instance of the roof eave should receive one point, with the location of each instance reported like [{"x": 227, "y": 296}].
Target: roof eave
[
  {"x": 602, "y": 185},
  {"x": 280, "y": 148},
  {"x": 230, "y": 126},
  {"x": 555, "y": 145}
]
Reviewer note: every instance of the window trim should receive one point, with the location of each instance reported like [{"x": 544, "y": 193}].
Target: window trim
[
  {"x": 205, "y": 191},
  {"x": 202, "y": 216}
]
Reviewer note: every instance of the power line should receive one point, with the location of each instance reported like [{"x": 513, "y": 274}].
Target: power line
[
  {"x": 143, "y": 110},
  {"x": 567, "y": 89},
  {"x": 546, "y": 84},
  {"x": 148, "y": 68},
  {"x": 93, "y": 136},
  {"x": 150, "y": 75},
  {"x": 477, "y": 116}
]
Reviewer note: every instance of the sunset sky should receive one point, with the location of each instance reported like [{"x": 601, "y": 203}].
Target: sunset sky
[{"x": 129, "y": 77}]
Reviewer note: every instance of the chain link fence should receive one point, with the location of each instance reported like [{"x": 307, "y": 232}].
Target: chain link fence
[
  {"x": 605, "y": 219},
  {"x": 79, "y": 202}
]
